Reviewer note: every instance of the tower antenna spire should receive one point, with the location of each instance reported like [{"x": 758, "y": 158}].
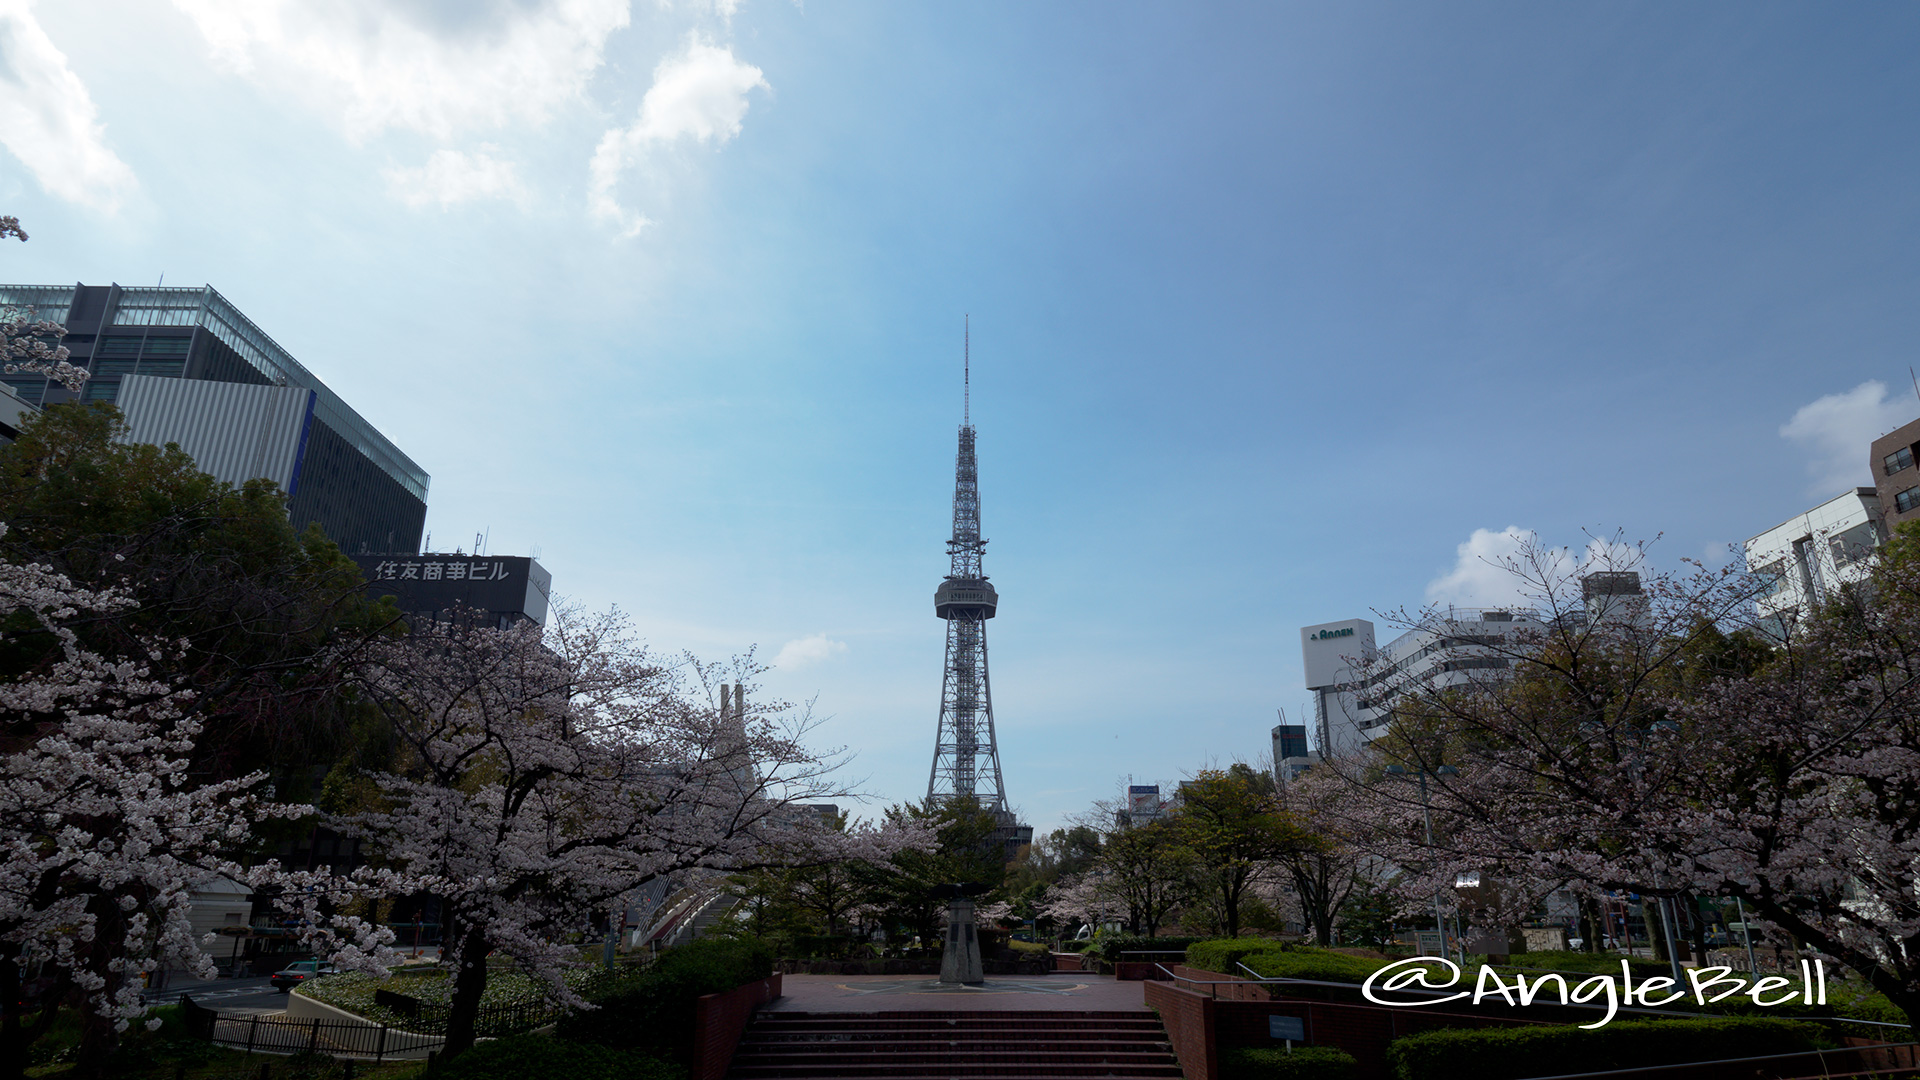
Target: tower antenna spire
[{"x": 966, "y": 371}]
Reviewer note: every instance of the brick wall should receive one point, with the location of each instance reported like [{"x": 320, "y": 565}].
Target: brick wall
[
  {"x": 1188, "y": 1017},
  {"x": 1216, "y": 1011},
  {"x": 718, "y": 1022}
]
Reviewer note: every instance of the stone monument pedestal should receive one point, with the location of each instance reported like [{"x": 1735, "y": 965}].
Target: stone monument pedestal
[{"x": 960, "y": 959}]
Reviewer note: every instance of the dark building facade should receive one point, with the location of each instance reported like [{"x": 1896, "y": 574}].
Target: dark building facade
[
  {"x": 336, "y": 468},
  {"x": 1892, "y": 459},
  {"x": 509, "y": 588}
]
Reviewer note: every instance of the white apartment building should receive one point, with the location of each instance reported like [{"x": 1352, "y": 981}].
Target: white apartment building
[
  {"x": 1802, "y": 560},
  {"x": 1353, "y": 682}
]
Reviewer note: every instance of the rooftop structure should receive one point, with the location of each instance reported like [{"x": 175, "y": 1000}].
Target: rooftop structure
[{"x": 1802, "y": 560}]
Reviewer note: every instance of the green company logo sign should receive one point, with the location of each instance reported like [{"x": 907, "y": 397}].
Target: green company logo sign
[{"x": 1345, "y": 631}]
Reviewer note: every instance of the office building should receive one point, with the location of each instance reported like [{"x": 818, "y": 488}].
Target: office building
[
  {"x": 187, "y": 367},
  {"x": 506, "y": 588},
  {"x": 1290, "y": 754},
  {"x": 1804, "y": 559},
  {"x": 1891, "y": 457},
  {"x": 1353, "y": 683},
  {"x": 14, "y": 411}
]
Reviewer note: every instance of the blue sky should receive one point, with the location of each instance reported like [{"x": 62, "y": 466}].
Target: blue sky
[{"x": 1281, "y": 313}]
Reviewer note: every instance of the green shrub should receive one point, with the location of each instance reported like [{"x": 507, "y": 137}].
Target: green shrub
[
  {"x": 652, "y": 1010},
  {"x": 1274, "y": 1063},
  {"x": 1588, "y": 963},
  {"x": 1511, "y": 1053},
  {"x": 1075, "y": 945},
  {"x": 538, "y": 1057},
  {"x": 1316, "y": 964},
  {"x": 1221, "y": 954},
  {"x": 1028, "y": 948},
  {"x": 1109, "y": 947}
]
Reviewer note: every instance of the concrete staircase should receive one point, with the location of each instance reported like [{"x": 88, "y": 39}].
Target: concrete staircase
[{"x": 953, "y": 1045}]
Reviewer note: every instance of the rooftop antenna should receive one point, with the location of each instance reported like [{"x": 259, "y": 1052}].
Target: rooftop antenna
[
  {"x": 966, "y": 372},
  {"x": 162, "y": 281},
  {"x": 1916, "y": 380}
]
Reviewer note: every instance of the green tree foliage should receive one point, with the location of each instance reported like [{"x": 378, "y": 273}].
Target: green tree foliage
[
  {"x": 264, "y": 609},
  {"x": 1232, "y": 822},
  {"x": 1367, "y": 915},
  {"x": 1150, "y": 870},
  {"x": 965, "y": 851}
]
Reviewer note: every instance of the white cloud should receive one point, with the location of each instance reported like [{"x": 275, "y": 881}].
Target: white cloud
[
  {"x": 1484, "y": 576},
  {"x": 698, "y": 94},
  {"x": 1838, "y": 429},
  {"x": 437, "y": 69},
  {"x": 809, "y": 650},
  {"x": 451, "y": 177},
  {"x": 48, "y": 120},
  {"x": 1477, "y": 578}
]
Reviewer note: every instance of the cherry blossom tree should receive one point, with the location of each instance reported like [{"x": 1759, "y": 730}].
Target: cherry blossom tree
[
  {"x": 1325, "y": 866},
  {"x": 104, "y": 834},
  {"x": 32, "y": 345},
  {"x": 1674, "y": 753},
  {"x": 552, "y": 770}
]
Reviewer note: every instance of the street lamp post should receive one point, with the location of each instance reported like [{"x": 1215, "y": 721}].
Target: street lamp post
[{"x": 1426, "y": 814}]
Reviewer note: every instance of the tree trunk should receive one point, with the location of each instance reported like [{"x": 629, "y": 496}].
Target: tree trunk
[
  {"x": 469, "y": 983},
  {"x": 1655, "y": 921},
  {"x": 13, "y": 1041}
]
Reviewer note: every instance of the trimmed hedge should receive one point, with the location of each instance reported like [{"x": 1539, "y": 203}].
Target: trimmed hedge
[
  {"x": 1274, "y": 1063},
  {"x": 1221, "y": 954},
  {"x": 537, "y": 1057},
  {"x": 1109, "y": 948},
  {"x": 1606, "y": 963},
  {"x": 1512, "y": 1053},
  {"x": 652, "y": 1010},
  {"x": 1312, "y": 964}
]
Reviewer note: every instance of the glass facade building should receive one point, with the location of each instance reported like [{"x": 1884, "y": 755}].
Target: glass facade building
[{"x": 367, "y": 495}]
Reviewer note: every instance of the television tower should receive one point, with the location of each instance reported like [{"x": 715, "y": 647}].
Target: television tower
[{"x": 966, "y": 758}]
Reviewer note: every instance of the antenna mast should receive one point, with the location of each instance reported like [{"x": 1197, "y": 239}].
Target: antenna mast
[{"x": 966, "y": 756}]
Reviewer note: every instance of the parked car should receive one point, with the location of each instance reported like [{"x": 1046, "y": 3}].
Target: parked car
[{"x": 298, "y": 972}]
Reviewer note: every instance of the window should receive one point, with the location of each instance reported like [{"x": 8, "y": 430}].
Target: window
[
  {"x": 29, "y": 387},
  {"x": 1898, "y": 460},
  {"x": 166, "y": 346},
  {"x": 1855, "y": 544},
  {"x": 102, "y": 391},
  {"x": 117, "y": 346},
  {"x": 1907, "y": 500},
  {"x": 116, "y": 366},
  {"x": 1772, "y": 577},
  {"x": 168, "y": 369}
]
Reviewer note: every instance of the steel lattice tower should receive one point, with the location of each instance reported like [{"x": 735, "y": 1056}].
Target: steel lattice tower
[{"x": 966, "y": 758}]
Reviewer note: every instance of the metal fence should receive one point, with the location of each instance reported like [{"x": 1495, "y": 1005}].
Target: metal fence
[{"x": 280, "y": 1034}]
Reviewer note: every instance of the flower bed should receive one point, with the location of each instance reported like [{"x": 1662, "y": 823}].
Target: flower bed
[{"x": 354, "y": 992}]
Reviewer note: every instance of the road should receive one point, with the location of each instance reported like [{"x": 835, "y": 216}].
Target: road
[{"x": 248, "y": 995}]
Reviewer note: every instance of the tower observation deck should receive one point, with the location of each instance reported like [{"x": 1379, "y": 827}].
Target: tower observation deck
[{"x": 966, "y": 755}]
